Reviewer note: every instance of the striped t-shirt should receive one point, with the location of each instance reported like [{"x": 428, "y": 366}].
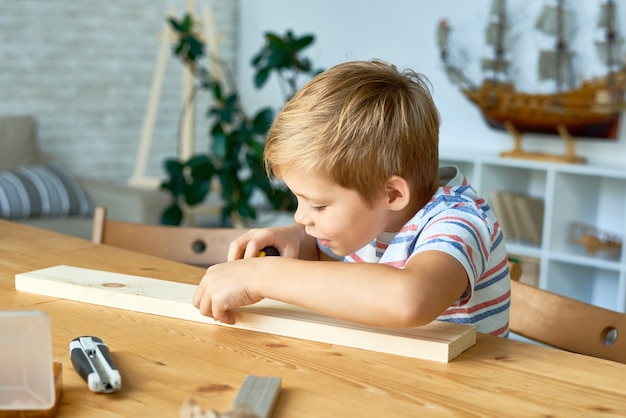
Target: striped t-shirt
[{"x": 459, "y": 222}]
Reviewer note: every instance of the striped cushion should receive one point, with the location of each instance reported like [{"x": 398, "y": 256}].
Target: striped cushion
[{"x": 41, "y": 190}]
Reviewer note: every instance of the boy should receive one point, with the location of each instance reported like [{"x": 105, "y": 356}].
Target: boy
[{"x": 358, "y": 146}]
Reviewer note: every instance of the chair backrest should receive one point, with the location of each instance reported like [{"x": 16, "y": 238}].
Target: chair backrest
[
  {"x": 566, "y": 323},
  {"x": 198, "y": 246}
]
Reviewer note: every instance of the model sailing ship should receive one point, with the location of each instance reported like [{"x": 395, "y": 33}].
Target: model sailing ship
[{"x": 591, "y": 109}]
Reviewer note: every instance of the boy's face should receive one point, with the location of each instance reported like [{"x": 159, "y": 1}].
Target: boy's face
[{"x": 337, "y": 216}]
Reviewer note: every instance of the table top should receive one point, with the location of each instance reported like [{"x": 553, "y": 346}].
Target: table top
[{"x": 164, "y": 361}]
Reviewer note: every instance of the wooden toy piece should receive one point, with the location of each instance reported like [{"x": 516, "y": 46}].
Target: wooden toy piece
[{"x": 255, "y": 399}]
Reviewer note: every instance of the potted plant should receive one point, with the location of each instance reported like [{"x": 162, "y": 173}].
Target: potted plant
[{"x": 235, "y": 158}]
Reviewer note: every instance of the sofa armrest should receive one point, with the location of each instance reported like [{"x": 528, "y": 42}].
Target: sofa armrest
[{"x": 127, "y": 203}]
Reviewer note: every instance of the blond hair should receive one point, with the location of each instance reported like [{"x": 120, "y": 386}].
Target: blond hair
[{"x": 357, "y": 124}]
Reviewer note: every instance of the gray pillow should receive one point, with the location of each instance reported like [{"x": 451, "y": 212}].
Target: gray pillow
[{"x": 42, "y": 190}]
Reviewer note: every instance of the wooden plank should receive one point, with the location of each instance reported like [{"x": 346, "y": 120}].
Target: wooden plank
[{"x": 438, "y": 341}]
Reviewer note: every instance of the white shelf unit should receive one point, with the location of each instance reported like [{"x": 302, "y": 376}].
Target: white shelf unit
[{"x": 572, "y": 193}]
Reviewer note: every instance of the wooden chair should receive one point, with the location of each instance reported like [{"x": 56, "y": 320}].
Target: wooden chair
[
  {"x": 566, "y": 323},
  {"x": 198, "y": 246}
]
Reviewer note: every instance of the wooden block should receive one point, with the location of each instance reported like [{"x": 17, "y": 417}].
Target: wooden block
[
  {"x": 439, "y": 341},
  {"x": 260, "y": 393}
]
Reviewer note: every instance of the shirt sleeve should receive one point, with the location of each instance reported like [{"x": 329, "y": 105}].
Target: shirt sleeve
[{"x": 464, "y": 233}]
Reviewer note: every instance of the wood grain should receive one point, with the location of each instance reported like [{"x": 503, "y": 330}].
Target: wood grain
[
  {"x": 438, "y": 341},
  {"x": 164, "y": 361}
]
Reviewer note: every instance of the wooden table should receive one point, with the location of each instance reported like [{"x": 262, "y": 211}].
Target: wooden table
[{"x": 164, "y": 361}]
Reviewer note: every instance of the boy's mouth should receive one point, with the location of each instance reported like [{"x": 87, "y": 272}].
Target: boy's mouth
[{"x": 324, "y": 242}]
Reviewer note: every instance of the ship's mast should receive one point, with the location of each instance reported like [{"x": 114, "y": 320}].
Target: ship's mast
[
  {"x": 556, "y": 64},
  {"x": 561, "y": 45},
  {"x": 496, "y": 37},
  {"x": 610, "y": 25},
  {"x": 609, "y": 48}
]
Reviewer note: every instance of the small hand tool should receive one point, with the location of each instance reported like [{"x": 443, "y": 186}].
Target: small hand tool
[
  {"x": 92, "y": 361},
  {"x": 269, "y": 251}
]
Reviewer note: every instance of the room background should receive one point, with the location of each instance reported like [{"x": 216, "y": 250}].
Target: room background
[
  {"x": 84, "y": 69},
  {"x": 403, "y": 32}
]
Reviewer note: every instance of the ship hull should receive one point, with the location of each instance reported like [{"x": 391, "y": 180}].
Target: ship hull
[{"x": 585, "y": 112}]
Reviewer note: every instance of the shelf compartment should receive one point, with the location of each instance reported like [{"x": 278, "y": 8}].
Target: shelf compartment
[
  {"x": 589, "y": 284},
  {"x": 497, "y": 177},
  {"x": 596, "y": 201},
  {"x": 577, "y": 256}
]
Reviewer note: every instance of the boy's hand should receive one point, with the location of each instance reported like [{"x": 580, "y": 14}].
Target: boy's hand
[
  {"x": 223, "y": 288},
  {"x": 285, "y": 239}
]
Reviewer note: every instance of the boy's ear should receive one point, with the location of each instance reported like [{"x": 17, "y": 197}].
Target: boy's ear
[{"x": 398, "y": 192}]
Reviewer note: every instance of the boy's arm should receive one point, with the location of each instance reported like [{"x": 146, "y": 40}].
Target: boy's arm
[{"x": 367, "y": 293}]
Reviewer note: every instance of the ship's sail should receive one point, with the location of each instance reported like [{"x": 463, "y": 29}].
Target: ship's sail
[
  {"x": 609, "y": 48},
  {"x": 557, "y": 64},
  {"x": 496, "y": 37}
]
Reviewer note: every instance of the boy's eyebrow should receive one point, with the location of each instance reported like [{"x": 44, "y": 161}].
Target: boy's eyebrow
[{"x": 305, "y": 197}]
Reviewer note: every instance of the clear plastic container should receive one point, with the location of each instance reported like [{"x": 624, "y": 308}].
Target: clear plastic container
[{"x": 26, "y": 367}]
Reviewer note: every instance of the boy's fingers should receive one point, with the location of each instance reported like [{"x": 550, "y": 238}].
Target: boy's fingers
[
  {"x": 223, "y": 315},
  {"x": 235, "y": 251}
]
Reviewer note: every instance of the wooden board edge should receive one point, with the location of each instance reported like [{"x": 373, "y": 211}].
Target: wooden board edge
[{"x": 441, "y": 341}]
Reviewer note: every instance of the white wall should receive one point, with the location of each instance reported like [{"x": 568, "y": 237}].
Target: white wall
[
  {"x": 403, "y": 33},
  {"x": 84, "y": 70}
]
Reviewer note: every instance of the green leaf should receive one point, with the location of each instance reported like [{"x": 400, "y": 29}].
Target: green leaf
[
  {"x": 219, "y": 141},
  {"x": 274, "y": 40},
  {"x": 229, "y": 183},
  {"x": 305, "y": 65},
  {"x": 261, "y": 77},
  {"x": 173, "y": 167},
  {"x": 175, "y": 24},
  {"x": 263, "y": 121},
  {"x": 256, "y": 150},
  {"x": 196, "y": 192},
  {"x": 303, "y": 42},
  {"x": 260, "y": 180},
  {"x": 257, "y": 58},
  {"x": 247, "y": 188},
  {"x": 227, "y": 110},
  {"x": 201, "y": 168},
  {"x": 187, "y": 23},
  {"x": 278, "y": 59},
  {"x": 172, "y": 215},
  {"x": 176, "y": 182},
  {"x": 217, "y": 92},
  {"x": 245, "y": 210},
  {"x": 195, "y": 48}
]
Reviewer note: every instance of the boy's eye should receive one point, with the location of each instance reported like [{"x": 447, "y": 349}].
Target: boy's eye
[{"x": 318, "y": 208}]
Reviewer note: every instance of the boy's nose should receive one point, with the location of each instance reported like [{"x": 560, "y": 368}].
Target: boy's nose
[{"x": 300, "y": 217}]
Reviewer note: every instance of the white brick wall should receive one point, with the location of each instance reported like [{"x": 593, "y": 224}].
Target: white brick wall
[{"x": 84, "y": 70}]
